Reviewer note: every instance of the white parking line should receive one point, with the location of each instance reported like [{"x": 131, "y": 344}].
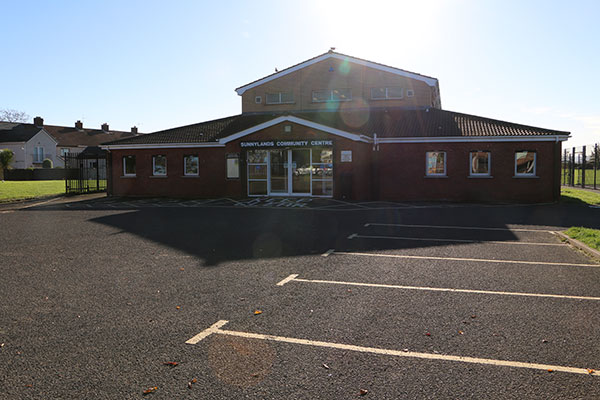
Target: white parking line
[
  {"x": 294, "y": 277},
  {"x": 355, "y": 235},
  {"x": 464, "y": 259},
  {"x": 478, "y": 228},
  {"x": 216, "y": 329}
]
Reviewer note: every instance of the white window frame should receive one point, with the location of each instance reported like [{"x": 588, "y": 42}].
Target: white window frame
[
  {"x": 125, "y": 166},
  {"x": 185, "y": 173},
  {"x": 489, "y": 173},
  {"x": 427, "y": 164},
  {"x": 258, "y": 99},
  {"x": 154, "y": 165},
  {"x": 38, "y": 154},
  {"x": 280, "y": 98},
  {"x": 529, "y": 174},
  {"x": 236, "y": 174},
  {"x": 410, "y": 93},
  {"x": 387, "y": 96},
  {"x": 330, "y": 95}
]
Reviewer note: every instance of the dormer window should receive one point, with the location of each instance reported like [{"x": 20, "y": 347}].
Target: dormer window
[
  {"x": 386, "y": 93},
  {"x": 280, "y": 98},
  {"x": 320, "y": 96}
]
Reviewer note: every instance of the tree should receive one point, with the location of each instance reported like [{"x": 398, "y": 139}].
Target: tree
[
  {"x": 13, "y": 115},
  {"x": 6, "y": 157}
]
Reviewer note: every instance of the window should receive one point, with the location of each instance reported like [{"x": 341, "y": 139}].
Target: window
[
  {"x": 322, "y": 172},
  {"x": 280, "y": 98},
  {"x": 435, "y": 163},
  {"x": 38, "y": 154},
  {"x": 257, "y": 172},
  {"x": 258, "y": 99},
  {"x": 190, "y": 165},
  {"x": 233, "y": 166},
  {"x": 320, "y": 96},
  {"x": 410, "y": 93},
  {"x": 129, "y": 166},
  {"x": 525, "y": 163},
  {"x": 386, "y": 93},
  {"x": 480, "y": 163},
  {"x": 64, "y": 152},
  {"x": 159, "y": 165}
]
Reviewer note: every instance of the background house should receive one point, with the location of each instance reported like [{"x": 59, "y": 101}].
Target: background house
[{"x": 32, "y": 143}]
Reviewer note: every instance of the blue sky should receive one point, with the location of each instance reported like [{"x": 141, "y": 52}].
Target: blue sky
[{"x": 158, "y": 64}]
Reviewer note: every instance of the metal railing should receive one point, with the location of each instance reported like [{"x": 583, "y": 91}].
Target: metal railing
[
  {"x": 85, "y": 173},
  {"x": 581, "y": 166}
]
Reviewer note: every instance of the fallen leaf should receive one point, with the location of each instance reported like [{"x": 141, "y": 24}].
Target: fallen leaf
[
  {"x": 544, "y": 341},
  {"x": 178, "y": 307},
  {"x": 182, "y": 269},
  {"x": 427, "y": 334},
  {"x": 405, "y": 350},
  {"x": 590, "y": 371},
  {"x": 190, "y": 383},
  {"x": 150, "y": 390},
  {"x": 363, "y": 392},
  {"x": 1, "y": 344},
  {"x": 325, "y": 366},
  {"x": 29, "y": 385},
  {"x": 257, "y": 312},
  {"x": 473, "y": 316},
  {"x": 550, "y": 370},
  {"x": 171, "y": 363},
  {"x": 461, "y": 333}
]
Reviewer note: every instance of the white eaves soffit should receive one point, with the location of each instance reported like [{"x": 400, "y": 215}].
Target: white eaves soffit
[
  {"x": 468, "y": 139},
  {"x": 299, "y": 121},
  {"x": 430, "y": 81}
]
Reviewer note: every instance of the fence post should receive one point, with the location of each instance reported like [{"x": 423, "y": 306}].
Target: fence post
[
  {"x": 583, "y": 168},
  {"x": 97, "y": 173},
  {"x": 572, "y": 183},
  {"x": 595, "y": 163}
]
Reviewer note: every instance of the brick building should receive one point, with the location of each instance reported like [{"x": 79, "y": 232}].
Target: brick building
[{"x": 343, "y": 127}]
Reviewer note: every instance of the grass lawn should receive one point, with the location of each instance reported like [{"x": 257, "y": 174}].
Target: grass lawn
[
  {"x": 570, "y": 195},
  {"x": 591, "y": 237},
  {"x": 589, "y": 177},
  {"x": 18, "y": 190}
]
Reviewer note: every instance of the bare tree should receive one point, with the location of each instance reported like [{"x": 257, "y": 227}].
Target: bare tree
[{"x": 13, "y": 115}]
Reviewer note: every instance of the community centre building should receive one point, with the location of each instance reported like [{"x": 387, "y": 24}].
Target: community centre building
[{"x": 345, "y": 128}]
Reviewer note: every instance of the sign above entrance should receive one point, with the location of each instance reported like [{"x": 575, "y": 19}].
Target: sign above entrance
[{"x": 287, "y": 143}]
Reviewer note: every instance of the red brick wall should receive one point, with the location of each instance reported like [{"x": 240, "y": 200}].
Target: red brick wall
[{"x": 402, "y": 173}]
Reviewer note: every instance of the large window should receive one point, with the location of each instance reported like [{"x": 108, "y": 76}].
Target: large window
[
  {"x": 386, "y": 93},
  {"x": 280, "y": 98},
  {"x": 322, "y": 172},
  {"x": 129, "y": 166},
  {"x": 38, "y": 154},
  {"x": 233, "y": 166},
  {"x": 257, "y": 172},
  {"x": 480, "y": 163},
  {"x": 525, "y": 163},
  {"x": 319, "y": 96},
  {"x": 159, "y": 165},
  {"x": 190, "y": 165},
  {"x": 435, "y": 163}
]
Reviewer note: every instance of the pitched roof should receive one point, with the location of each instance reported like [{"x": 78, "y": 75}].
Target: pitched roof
[
  {"x": 73, "y": 137},
  {"x": 17, "y": 132},
  {"x": 331, "y": 54},
  {"x": 386, "y": 123}
]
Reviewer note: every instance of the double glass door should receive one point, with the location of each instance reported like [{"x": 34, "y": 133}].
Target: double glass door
[{"x": 290, "y": 172}]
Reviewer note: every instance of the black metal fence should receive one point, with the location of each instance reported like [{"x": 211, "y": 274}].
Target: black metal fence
[
  {"x": 581, "y": 166},
  {"x": 85, "y": 172}
]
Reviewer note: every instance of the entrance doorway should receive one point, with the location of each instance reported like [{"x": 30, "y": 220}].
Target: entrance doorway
[{"x": 290, "y": 172}]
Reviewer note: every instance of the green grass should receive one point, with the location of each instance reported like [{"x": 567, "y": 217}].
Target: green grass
[
  {"x": 591, "y": 237},
  {"x": 589, "y": 177},
  {"x": 19, "y": 190},
  {"x": 570, "y": 195}
]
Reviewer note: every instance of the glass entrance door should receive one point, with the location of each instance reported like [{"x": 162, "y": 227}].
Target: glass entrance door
[
  {"x": 279, "y": 171},
  {"x": 301, "y": 171}
]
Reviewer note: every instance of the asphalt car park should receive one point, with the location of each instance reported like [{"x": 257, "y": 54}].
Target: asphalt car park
[{"x": 382, "y": 301}]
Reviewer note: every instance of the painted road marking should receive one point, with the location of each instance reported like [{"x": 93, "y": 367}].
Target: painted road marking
[
  {"x": 465, "y": 259},
  {"x": 354, "y": 236},
  {"x": 286, "y": 280},
  {"x": 328, "y": 253},
  {"x": 457, "y": 227},
  {"x": 294, "y": 278},
  {"x": 216, "y": 329}
]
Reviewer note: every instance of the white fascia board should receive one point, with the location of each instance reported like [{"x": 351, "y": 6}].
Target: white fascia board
[
  {"x": 430, "y": 81},
  {"x": 159, "y": 146},
  {"x": 299, "y": 121},
  {"x": 467, "y": 139}
]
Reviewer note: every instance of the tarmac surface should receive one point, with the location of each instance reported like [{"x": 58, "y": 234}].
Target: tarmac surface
[{"x": 97, "y": 294}]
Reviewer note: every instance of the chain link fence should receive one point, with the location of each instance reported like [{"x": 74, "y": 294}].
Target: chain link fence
[{"x": 581, "y": 166}]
